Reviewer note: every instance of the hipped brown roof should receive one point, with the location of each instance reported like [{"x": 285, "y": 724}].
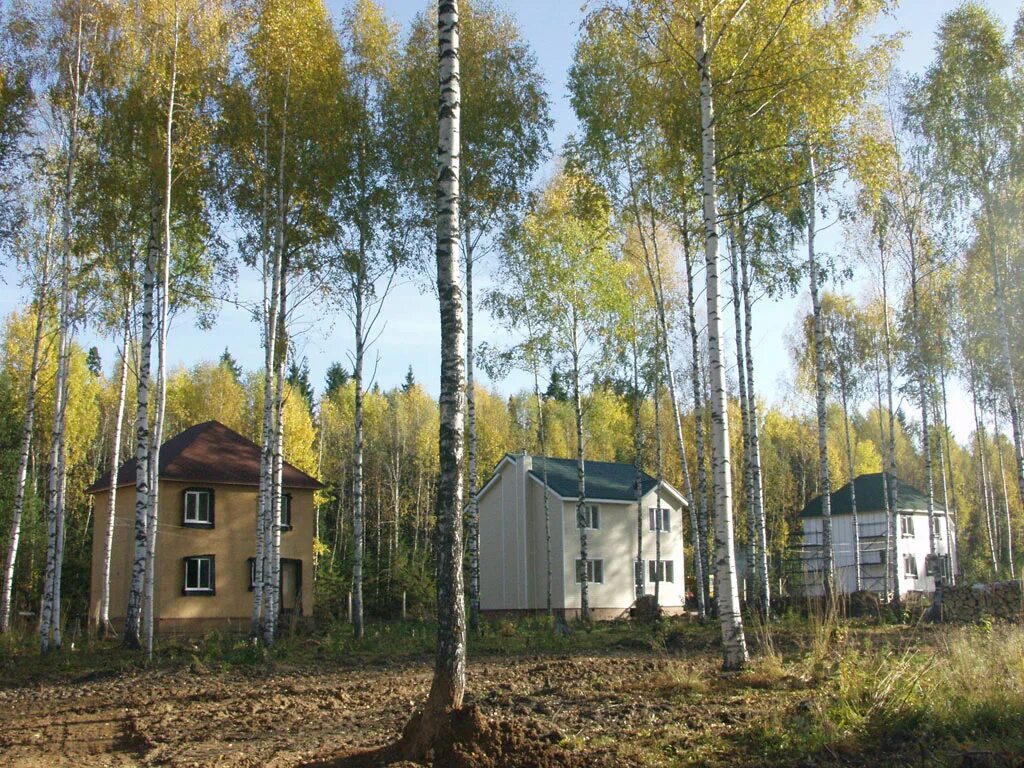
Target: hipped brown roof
[{"x": 209, "y": 453}]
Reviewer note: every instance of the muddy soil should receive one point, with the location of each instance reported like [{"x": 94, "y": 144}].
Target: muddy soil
[{"x": 602, "y": 710}]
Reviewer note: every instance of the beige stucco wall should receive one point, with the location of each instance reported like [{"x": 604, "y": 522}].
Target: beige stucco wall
[{"x": 232, "y": 541}]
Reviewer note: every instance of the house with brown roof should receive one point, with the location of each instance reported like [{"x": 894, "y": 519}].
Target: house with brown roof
[{"x": 206, "y": 536}]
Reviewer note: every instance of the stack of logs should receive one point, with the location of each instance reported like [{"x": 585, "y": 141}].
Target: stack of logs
[{"x": 970, "y": 603}]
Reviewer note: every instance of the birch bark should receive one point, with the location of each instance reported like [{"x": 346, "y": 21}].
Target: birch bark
[
  {"x": 828, "y": 569},
  {"x": 6, "y": 590},
  {"x": 449, "y": 681},
  {"x": 734, "y": 646},
  {"x": 115, "y": 462}
]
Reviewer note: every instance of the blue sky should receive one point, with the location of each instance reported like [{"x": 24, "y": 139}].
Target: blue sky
[{"x": 410, "y": 333}]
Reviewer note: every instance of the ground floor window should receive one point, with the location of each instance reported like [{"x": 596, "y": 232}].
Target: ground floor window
[
  {"x": 660, "y": 570},
  {"x": 910, "y": 566},
  {"x": 199, "y": 575},
  {"x": 594, "y": 570}
]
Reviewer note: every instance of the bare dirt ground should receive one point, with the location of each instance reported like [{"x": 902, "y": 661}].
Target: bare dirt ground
[{"x": 617, "y": 709}]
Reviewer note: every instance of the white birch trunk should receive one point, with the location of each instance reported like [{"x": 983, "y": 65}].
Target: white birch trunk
[
  {"x": 133, "y": 611},
  {"x": 699, "y": 504},
  {"x": 857, "y": 568},
  {"x": 741, "y": 374},
  {"x": 358, "y": 513},
  {"x": 449, "y": 682},
  {"x": 892, "y": 480},
  {"x": 828, "y": 570},
  {"x": 115, "y": 462},
  {"x": 734, "y": 646},
  {"x": 541, "y": 437},
  {"x": 581, "y": 474},
  {"x": 757, "y": 485},
  {"x": 1006, "y": 496},
  {"x": 472, "y": 511},
  {"x": 6, "y": 590}
]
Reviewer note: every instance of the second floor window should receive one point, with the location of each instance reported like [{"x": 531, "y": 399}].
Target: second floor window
[
  {"x": 910, "y": 566},
  {"x": 198, "y": 511},
  {"x": 659, "y": 519},
  {"x": 591, "y": 517},
  {"x": 906, "y": 525},
  {"x": 936, "y": 527},
  {"x": 660, "y": 570}
]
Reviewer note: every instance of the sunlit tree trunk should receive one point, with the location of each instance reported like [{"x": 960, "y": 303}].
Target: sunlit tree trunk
[
  {"x": 133, "y": 612},
  {"x": 115, "y": 462},
  {"x": 358, "y": 510},
  {"x": 542, "y": 444},
  {"x": 698, "y": 504},
  {"x": 449, "y": 682},
  {"x": 825, "y": 482},
  {"x": 1006, "y": 496},
  {"x": 886, "y": 568},
  {"x": 979, "y": 433},
  {"x": 734, "y": 646},
  {"x": 25, "y": 451},
  {"x": 638, "y": 567},
  {"x": 741, "y": 374},
  {"x": 1003, "y": 324},
  {"x": 892, "y": 479},
  {"x": 161, "y": 355},
  {"x": 952, "y": 513},
  {"x": 581, "y": 474},
  {"x": 844, "y": 394},
  {"x": 472, "y": 512},
  {"x": 757, "y": 485}
]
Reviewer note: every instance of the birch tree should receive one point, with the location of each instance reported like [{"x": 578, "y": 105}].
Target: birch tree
[
  {"x": 504, "y": 135},
  {"x": 449, "y": 682}
]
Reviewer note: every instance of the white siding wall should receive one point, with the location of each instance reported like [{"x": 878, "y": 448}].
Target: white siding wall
[
  {"x": 615, "y": 544},
  {"x": 503, "y": 541},
  {"x": 872, "y": 525}
]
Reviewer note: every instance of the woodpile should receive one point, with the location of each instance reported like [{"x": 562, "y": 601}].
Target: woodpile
[{"x": 970, "y": 603}]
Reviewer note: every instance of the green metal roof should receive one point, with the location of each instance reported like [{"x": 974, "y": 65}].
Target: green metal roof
[
  {"x": 870, "y": 498},
  {"x": 605, "y": 479}
]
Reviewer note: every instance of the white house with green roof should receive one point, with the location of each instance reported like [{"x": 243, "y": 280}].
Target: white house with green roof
[
  {"x": 918, "y": 569},
  {"x": 513, "y": 541}
]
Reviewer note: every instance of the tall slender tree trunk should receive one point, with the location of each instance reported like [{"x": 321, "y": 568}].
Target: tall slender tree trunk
[
  {"x": 25, "y": 453},
  {"x": 734, "y": 645},
  {"x": 886, "y": 569},
  {"x": 582, "y": 518},
  {"x": 1006, "y": 496},
  {"x": 49, "y": 625},
  {"x": 273, "y": 588},
  {"x": 115, "y": 462},
  {"x": 952, "y": 509},
  {"x": 472, "y": 511},
  {"x": 449, "y": 682},
  {"x": 1003, "y": 325},
  {"x": 741, "y": 374},
  {"x": 358, "y": 512},
  {"x": 857, "y": 567},
  {"x": 825, "y": 482},
  {"x": 161, "y": 354},
  {"x": 133, "y": 611},
  {"x": 892, "y": 556},
  {"x": 979, "y": 433},
  {"x": 757, "y": 485},
  {"x": 541, "y": 438},
  {"x": 638, "y": 446},
  {"x": 659, "y": 569},
  {"x": 698, "y": 503},
  {"x": 652, "y": 263}
]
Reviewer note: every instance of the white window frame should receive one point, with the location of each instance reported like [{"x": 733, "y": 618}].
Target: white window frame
[
  {"x": 907, "y": 526},
  {"x": 937, "y": 527},
  {"x": 595, "y": 568},
  {"x": 593, "y": 515},
  {"x": 197, "y": 494},
  {"x": 197, "y": 587},
  {"x": 908, "y": 572},
  {"x": 658, "y": 568},
  {"x": 665, "y": 519}
]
